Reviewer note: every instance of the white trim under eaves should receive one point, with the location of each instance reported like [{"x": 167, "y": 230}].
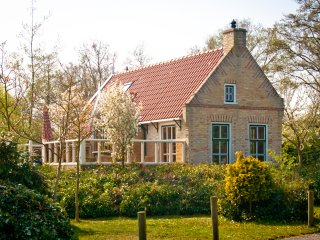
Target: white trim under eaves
[
  {"x": 100, "y": 88},
  {"x": 161, "y": 120}
]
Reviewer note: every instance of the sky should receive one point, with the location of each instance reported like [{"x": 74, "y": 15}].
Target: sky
[{"x": 166, "y": 28}]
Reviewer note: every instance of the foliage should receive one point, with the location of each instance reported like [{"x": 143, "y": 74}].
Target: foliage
[
  {"x": 26, "y": 214},
  {"x": 118, "y": 117},
  {"x": 287, "y": 199},
  {"x": 248, "y": 180},
  {"x": 16, "y": 167},
  {"x": 162, "y": 189}
]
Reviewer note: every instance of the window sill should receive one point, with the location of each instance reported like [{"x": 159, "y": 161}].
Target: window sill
[{"x": 230, "y": 102}]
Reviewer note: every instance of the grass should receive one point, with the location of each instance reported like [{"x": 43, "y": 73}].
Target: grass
[{"x": 176, "y": 227}]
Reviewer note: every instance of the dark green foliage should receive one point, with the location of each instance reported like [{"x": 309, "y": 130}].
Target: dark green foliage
[
  {"x": 16, "y": 167},
  {"x": 161, "y": 190},
  {"x": 27, "y": 214},
  {"x": 287, "y": 200},
  {"x": 176, "y": 189}
]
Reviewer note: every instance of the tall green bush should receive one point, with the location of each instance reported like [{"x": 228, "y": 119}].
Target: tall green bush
[
  {"x": 248, "y": 180},
  {"x": 27, "y": 214},
  {"x": 16, "y": 167}
]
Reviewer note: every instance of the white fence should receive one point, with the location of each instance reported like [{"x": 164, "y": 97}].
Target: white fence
[{"x": 100, "y": 151}]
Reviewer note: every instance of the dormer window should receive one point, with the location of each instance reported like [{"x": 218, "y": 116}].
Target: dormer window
[
  {"x": 230, "y": 94},
  {"x": 126, "y": 86}
]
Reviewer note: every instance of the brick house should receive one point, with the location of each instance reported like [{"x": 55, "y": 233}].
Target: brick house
[{"x": 206, "y": 106}]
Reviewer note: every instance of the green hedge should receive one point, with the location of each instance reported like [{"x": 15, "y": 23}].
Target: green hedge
[
  {"x": 27, "y": 214},
  {"x": 161, "y": 190},
  {"x": 107, "y": 191}
]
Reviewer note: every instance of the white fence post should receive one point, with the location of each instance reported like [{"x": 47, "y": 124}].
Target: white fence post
[
  {"x": 128, "y": 154},
  {"x": 74, "y": 152},
  {"x": 99, "y": 152},
  {"x": 156, "y": 152},
  {"x": 50, "y": 152},
  {"x": 44, "y": 153},
  {"x": 170, "y": 152},
  {"x": 55, "y": 153},
  {"x": 142, "y": 152},
  {"x": 67, "y": 152},
  {"x": 183, "y": 152},
  {"x": 82, "y": 152},
  {"x": 30, "y": 149}
]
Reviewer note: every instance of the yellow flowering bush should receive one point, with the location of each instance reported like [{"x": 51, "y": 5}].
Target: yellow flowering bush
[{"x": 248, "y": 180}]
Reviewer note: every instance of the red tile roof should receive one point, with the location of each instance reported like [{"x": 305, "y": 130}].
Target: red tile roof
[
  {"x": 164, "y": 88},
  {"x": 46, "y": 125}
]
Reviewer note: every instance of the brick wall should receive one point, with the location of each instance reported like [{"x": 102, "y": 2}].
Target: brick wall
[{"x": 257, "y": 103}]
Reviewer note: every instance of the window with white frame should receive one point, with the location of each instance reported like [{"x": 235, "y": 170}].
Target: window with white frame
[
  {"x": 230, "y": 93},
  {"x": 220, "y": 143},
  {"x": 168, "y": 133},
  {"x": 258, "y": 141}
]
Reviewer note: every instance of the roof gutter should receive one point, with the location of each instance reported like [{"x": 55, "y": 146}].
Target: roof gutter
[{"x": 160, "y": 120}]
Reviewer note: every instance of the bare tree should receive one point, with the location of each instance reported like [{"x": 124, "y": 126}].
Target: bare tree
[
  {"x": 95, "y": 66},
  {"x": 138, "y": 57},
  {"x": 301, "y": 114},
  {"x": 10, "y": 90}
]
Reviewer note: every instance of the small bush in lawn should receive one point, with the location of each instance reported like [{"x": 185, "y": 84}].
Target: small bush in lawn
[
  {"x": 247, "y": 181},
  {"x": 26, "y": 214}
]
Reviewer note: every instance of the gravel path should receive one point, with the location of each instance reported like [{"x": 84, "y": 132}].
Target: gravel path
[{"x": 306, "y": 237}]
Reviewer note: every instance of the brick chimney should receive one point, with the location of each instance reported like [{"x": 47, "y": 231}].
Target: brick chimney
[{"x": 234, "y": 38}]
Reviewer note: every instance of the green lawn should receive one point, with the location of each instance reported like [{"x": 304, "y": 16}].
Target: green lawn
[{"x": 176, "y": 227}]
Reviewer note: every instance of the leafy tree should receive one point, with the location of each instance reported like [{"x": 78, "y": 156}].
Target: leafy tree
[
  {"x": 248, "y": 180},
  {"x": 118, "y": 117}
]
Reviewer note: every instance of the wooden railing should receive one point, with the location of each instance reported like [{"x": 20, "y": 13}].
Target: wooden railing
[{"x": 100, "y": 151}]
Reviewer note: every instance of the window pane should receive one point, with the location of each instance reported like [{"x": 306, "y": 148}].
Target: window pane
[
  {"x": 216, "y": 132},
  {"x": 224, "y": 159},
  {"x": 169, "y": 132},
  {"x": 165, "y": 148},
  {"x": 220, "y": 143},
  {"x": 261, "y": 147},
  {"x": 173, "y": 132},
  {"x": 260, "y": 157},
  {"x": 224, "y": 146},
  {"x": 215, "y": 159},
  {"x": 215, "y": 147},
  {"x": 253, "y": 133},
  {"x": 229, "y": 93},
  {"x": 252, "y": 147},
  {"x": 224, "y": 132},
  {"x": 261, "y": 132},
  {"x": 164, "y": 133}
]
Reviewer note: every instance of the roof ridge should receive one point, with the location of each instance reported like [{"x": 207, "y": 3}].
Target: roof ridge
[{"x": 167, "y": 61}]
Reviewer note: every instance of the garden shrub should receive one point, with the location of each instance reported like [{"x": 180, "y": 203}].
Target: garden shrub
[
  {"x": 155, "y": 199},
  {"x": 163, "y": 189},
  {"x": 16, "y": 167},
  {"x": 248, "y": 181},
  {"x": 27, "y": 214},
  {"x": 287, "y": 195}
]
